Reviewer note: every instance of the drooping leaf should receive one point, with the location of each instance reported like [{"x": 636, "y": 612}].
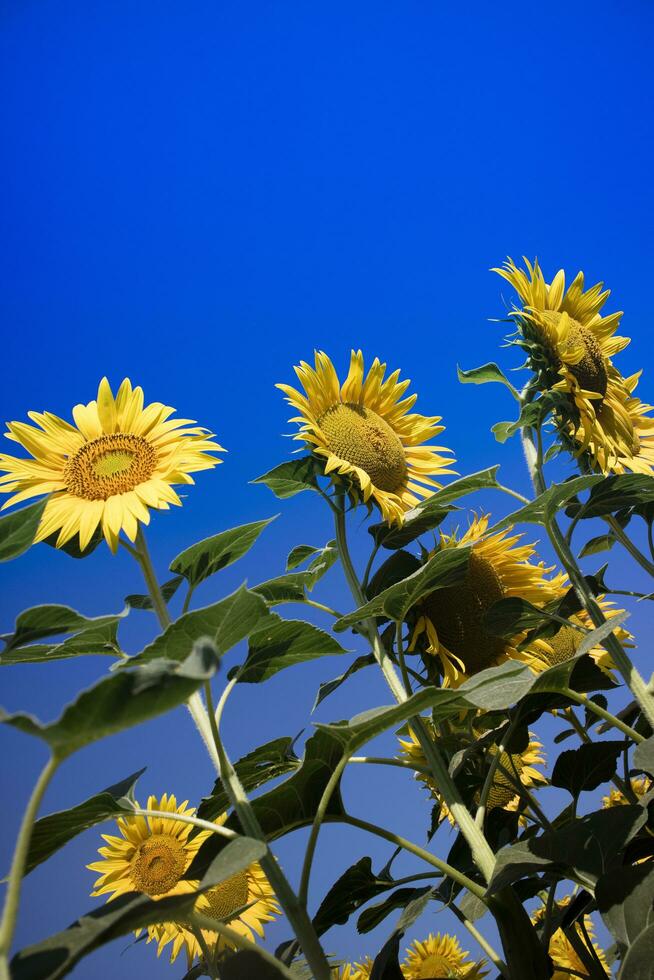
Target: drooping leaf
[
  {"x": 374, "y": 914},
  {"x": 603, "y": 542},
  {"x": 586, "y": 767},
  {"x": 264, "y": 763},
  {"x": 56, "y": 956},
  {"x": 625, "y": 900},
  {"x": 448, "y": 567},
  {"x": 398, "y": 566},
  {"x": 291, "y": 477},
  {"x": 225, "y": 623},
  {"x": 349, "y": 892},
  {"x": 584, "y": 848},
  {"x": 18, "y": 530},
  {"x": 531, "y": 414},
  {"x": 90, "y": 635},
  {"x": 290, "y": 805},
  {"x": 124, "y": 699},
  {"x": 428, "y": 514},
  {"x": 168, "y": 590},
  {"x": 485, "y": 374},
  {"x": 328, "y": 687},
  {"x": 281, "y": 643},
  {"x": 50, "y": 833},
  {"x": 545, "y": 506},
  {"x": 207, "y": 557}
]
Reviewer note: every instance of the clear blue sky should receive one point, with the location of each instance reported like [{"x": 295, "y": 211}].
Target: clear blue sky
[{"x": 197, "y": 195}]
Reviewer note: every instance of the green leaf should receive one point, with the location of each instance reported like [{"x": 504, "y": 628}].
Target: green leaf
[
  {"x": 512, "y": 615},
  {"x": 291, "y": 477},
  {"x": 585, "y": 848},
  {"x": 18, "y": 530},
  {"x": 299, "y": 554},
  {"x": 281, "y": 643},
  {"x": 428, "y": 514},
  {"x": 638, "y": 963},
  {"x": 290, "y": 805},
  {"x": 249, "y": 963},
  {"x": 398, "y": 566},
  {"x": 613, "y": 493},
  {"x": 264, "y": 763},
  {"x": 586, "y": 767},
  {"x": 625, "y": 897},
  {"x": 207, "y": 557},
  {"x": 543, "y": 508},
  {"x": 56, "y": 957},
  {"x": 374, "y": 914},
  {"x": 603, "y": 542},
  {"x": 90, "y": 635},
  {"x": 328, "y": 687},
  {"x": 482, "y": 375},
  {"x": 168, "y": 590},
  {"x": 447, "y": 567},
  {"x": 293, "y": 586},
  {"x": 124, "y": 699},
  {"x": 644, "y": 756},
  {"x": 355, "y": 886},
  {"x": 225, "y": 623},
  {"x": 51, "y": 833},
  {"x": 531, "y": 414},
  {"x": 72, "y": 548}
]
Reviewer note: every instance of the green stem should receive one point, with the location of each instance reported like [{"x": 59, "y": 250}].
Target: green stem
[
  {"x": 493, "y": 956},
  {"x": 378, "y": 760},
  {"x": 321, "y": 811},
  {"x": 12, "y": 897},
  {"x": 597, "y": 709},
  {"x": 296, "y": 913},
  {"x": 480, "y": 849},
  {"x": 215, "y": 828},
  {"x": 623, "y": 664},
  {"x": 629, "y": 546},
  {"x": 322, "y": 607}
]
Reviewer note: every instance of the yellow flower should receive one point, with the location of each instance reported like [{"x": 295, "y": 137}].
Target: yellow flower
[
  {"x": 640, "y": 785},
  {"x": 117, "y": 461},
  {"x": 510, "y": 767},
  {"x": 353, "y": 971},
  {"x": 570, "y": 347},
  {"x": 563, "y": 954},
  {"x": 451, "y": 620},
  {"x": 441, "y": 956},
  {"x": 152, "y": 856},
  {"x": 364, "y": 431}
]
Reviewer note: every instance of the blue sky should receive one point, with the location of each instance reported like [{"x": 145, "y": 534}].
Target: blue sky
[{"x": 199, "y": 195}]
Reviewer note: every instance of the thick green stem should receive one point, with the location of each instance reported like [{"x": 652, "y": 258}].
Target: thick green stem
[{"x": 12, "y": 897}]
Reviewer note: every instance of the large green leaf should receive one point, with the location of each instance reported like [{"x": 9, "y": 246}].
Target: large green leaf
[
  {"x": 281, "y": 643},
  {"x": 625, "y": 900},
  {"x": 291, "y": 477},
  {"x": 614, "y": 493},
  {"x": 290, "y": 805},
  {"x": 586, "y": 767},
  {"x": 55, "y": 957},
  {"x": 211, "y": 555},
  {"x": 644, "y": 756},
  {"x": 485, "y": 374},
  {"x": 18, "y": 530},
  {"x": 90, "y": 635},
  {"x": 121, "y": 700},
  {"x": 430, "y": 512},
  {"x": 264, "y": 763},
  {"x": 544, "y": 507},
  {"x": 225, "y": 623},
  {"x": 448, "y": 567},
  {"x": 638, "y": 963},
  {"x": 583, "y": 849},
  {"x": 349, "y": 892},
  {"x": 52, "y": 832},
  {"x": 248, "y": 963},
  {"x": 371, "y": 917}
]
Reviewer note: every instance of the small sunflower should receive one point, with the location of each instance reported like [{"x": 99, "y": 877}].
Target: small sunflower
[
  {"x": 353, "y": 971},
  {"x": 441, "y": 956},
  {"x": 564, "y": 956},
  {"x": 510, "y": 768},
  {"x": 451, "y": 620},
  {"x": 640, "y": 785},
  {"x": 152, "y": 856},
  {"x": 570, "y": 346},
  {"x": 118, "y": 460},
  {"x": 364, "y": 431}
]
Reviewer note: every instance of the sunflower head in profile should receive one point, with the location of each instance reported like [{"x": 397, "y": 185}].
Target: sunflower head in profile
[
  {"x": 570, "y": 346},
  {"x": 365, "y": 433},
  {"x": 449, "y": 623},
  {"x": 441, "y": 956},
  {"x": 106, "y": 471},
  {"x": 152, "y": 855},
  {"x": 565, "y": 959},
  {"x": 511, "y": 768}
]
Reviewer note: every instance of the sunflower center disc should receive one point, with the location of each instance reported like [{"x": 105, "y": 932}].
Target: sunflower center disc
[
  {"x": 366, "y": 440},
  {"x": 503, "y": 791},
  {"x": 590, "y": 371},
  {"x": 436, "y": 966},
  {"x": 228, "y": 896},
  {"x": 158, "y": 865},
  {"x": 458, "y": 611},
  {"x": 564, "y": 645},
  {"x": 109, "y": 465}
]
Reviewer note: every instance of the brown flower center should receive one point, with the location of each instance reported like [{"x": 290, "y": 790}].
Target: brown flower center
[
  {"x": 158, "y": 864},
  {"x": 109, "y": 465},
  {"x": 365, "y": 439},
  {"x": 228, "y": 896},
  {"x": 590, "y": 371},
  {"x": 457, "y": 613},
  {"x": 564, "y": 645},
  {"x": 503, "y": 789}
]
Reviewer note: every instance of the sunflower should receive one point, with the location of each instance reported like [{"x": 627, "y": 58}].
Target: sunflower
[
  {"x": 152, "y": 856},
  {"x": 364, "y": 432},
  {"x": 450, "y": 621},
  {"x": 118, "y": 460},
  {"x": 510, "y": 768},
  {"x": 570, "y": 346},
  {"x": 353, "y": 971},
  {"x": 564, "y": 956},
  {"x": 441, "y": 956},
  {"x": 640, "y": 786}
]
